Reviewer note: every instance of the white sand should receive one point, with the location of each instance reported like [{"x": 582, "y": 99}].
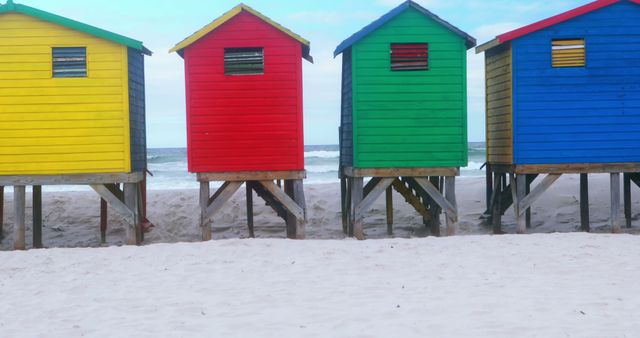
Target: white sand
[
  {"x": 555, "y": 285},
  {"x": 71, "y": 219}
]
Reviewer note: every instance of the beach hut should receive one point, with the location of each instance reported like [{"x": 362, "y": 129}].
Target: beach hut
[
  {"x": 244, "y": 113},
  {"x": 563, "y": 97},
  {"x": 404, "y": 115},
  {"x": 72, "y": 111}
]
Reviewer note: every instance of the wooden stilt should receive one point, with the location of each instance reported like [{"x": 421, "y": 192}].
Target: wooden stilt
[
  {"x": 291, "y": 219},
  {"x": 435, "y": 209},
  {"x": 615, "y": 202},
  {"x": 584, "y": 203},
  {"x": 357, "y": 192},
  {"x": 19, "y": 208},
  {"x": 140, "y": 213},
  {"x": 104, "y": 218},
  {"x": 343, "y": 207},
  {"x": 132, "y": 202},
  {"x": 298, "y": 197},
  {"x": 37, "y": 216},
  {"x": 489, "y": 185},
  {"x": 1, "y": 212},
  {"x": 205, "y": 225},
  {"x": 250, "y": 209},
  {"x": 521, "y": 192},
  {"x": 389, "y": 198},
  {"x": 627, "y": 199},
  {"x": 348, "y": 203},
  {"x": 496, "y": 212},
  {"x": 450, "y": 195},
  {"x": 528, "y": 212}
]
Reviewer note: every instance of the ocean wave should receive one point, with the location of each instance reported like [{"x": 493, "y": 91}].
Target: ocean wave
[
  {"x": 473, "y": 165},
  {"x": 319, "y": 169},
  {"x": 322, "y": 154}
]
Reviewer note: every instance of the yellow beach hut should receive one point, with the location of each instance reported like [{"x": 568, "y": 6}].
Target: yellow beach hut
[{"x": 72, "y": 111}]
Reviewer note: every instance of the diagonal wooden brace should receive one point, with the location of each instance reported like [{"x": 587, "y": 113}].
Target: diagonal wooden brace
[
  {"x": 115, "y": 202},
  {"x": 536, "y": 192},
  {"x": 286, "y": 201},
  {"x": 222, "y": 196},
  {"x": 373, "y": 195},
  {"x": 441, "y": 200}
]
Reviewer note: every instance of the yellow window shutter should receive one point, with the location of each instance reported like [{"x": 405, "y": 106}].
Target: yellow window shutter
[{"x": 568, "y": 53}]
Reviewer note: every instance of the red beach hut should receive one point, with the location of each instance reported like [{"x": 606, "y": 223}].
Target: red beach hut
[{"x": 244, "y": 106}]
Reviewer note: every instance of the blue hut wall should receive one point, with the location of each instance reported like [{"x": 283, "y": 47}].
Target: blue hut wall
[{"x": 580, "y": 115}]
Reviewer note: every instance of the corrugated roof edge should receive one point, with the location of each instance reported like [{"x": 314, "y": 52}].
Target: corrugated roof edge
[
  {"x": 306, "y": 45},
  {"x": 470, "y": 41},
  {"x": 75, "y": 25}
]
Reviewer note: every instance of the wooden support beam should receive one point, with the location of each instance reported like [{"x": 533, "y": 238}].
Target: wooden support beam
[
  {"x": 118, "y": 205},
  {"x": 450, "y": 195},
  {"x": 286, "y": 201},
  {"x": 434, "y": 192},
  {"x": 520, "y": 189},
  {"x": 131, "y": 200},
  {"x": 584, "y": 203},
  {"x": 373, "y": 195},
  {"x": 412, "y": 199},
  {"x": 343, "y": 206},
  {"x": 205, "y": 225},
  {"x": 104, "y": 218},
  {"x": 348, "y": 208},
  {"x": 373, "y": 182},
  {"x": 496, "y": 211},
  {"x": 223, "y": 194},
  {"x": 389, "y": 204},
  {"x": 434, "y": 209},
  {"x": 356, "y": 222},
  {"x": 290, "y": 219},
  {"x": 400, "y": 172},
  {"x": 528, "y": 211},
  {"x": 627, "y": 199},
  {"x": 295, "y": 226},
  {"x": 19, "y": 201},
  {"x": 615, "y": 203},
  {"x": 73, "y": 179},
  {"x": 115, "y": 190},
  {"x": 249, "y": 189},
  {"x": 528, "y": 201},
  {"x": 489, "y": 186},
  {"x": 635, "y": 178},
  {"x": 37, "y": 216},
  {"x": 252, "y": 176},
  {"x": 1, "y": 212}
]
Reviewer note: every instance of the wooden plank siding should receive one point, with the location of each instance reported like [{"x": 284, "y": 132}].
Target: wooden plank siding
[
  {"x": 410, "y": 118},
  {"x": 244, "y": 122},
  {"x": 499, "y": 104},
  {"x": 137, "y": 108},
  {"x": 585, "y": 114},
  {"x": 60, "y": 125},
  {"x": 346, "y": 116}
]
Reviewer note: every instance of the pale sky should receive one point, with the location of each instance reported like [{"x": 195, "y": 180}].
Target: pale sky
[{"x": 160, "y": 24}]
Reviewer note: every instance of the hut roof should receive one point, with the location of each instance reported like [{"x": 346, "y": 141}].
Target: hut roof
[
  {"x": 554, "y": 20},
  {"x": 11, "y": 7},
  {"x": 470, "y": 41},
  {"x": 306, "y": 45}
]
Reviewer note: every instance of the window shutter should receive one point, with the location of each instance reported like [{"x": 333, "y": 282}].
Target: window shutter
[
  {"x": 409, "y": 56},
  {"x": 243, "y": 61},
  {"x": 568, "y": 53},
  {"x": 69, "y": 62}
]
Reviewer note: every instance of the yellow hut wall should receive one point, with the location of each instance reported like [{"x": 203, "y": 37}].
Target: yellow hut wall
[
  {"x": 499, "y": 82},
  {"x": 60, "y": 125}
]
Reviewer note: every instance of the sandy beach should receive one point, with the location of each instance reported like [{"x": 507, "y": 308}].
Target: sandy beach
[{"x": 71, "y": 219}]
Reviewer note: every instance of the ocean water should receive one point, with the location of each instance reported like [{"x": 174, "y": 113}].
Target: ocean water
[{"x": 169, "y": 166}]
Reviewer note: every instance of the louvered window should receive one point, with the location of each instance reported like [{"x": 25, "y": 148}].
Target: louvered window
[
  {"x": 70, "y": 62},
  {"x": 243, "y": 61},
  {"x": 568, "y": 53},
  {"x": 409, "y": 56}
]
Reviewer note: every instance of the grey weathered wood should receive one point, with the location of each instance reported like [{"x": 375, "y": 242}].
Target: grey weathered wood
[
  {"x": 389, "y": 205},
  {"x": 450, "y": 195},
  {"x": 435, "y": 194},
  {"x": 615, "y": 202},
  {"x": 114, "y": 202},
  {"x": 348, "y": 210},
  {"x": 528, "y": 211},
  {"x": 19, "y": 201},
  {"x": 521, "y": 194},
  {"x": 37, "y": 216},
  {"x": 528, "y": 201},
  {"x": 434, "y": 209},
  {"x": 205, "y": 225},
  {"x": 290, "y": 219},
  {"x": 627, "y": 199},
  {"x": 249, "y": 191},
  {"x": 343, "y": 206},
  {"x": 400, "y": 172},
  {"x": 299, "y": 198},
  {"x": 286, "y": 201},
  {"x": 409, "y": 196},
  {"x": 132, "y": 203},
  {"x": 375, "y": 193},
  {"x": 75, "y": 179},
  {"x": 373, "y": 182},
  {"x": 496, "y": 211},
  {"x": 489, "y": 186},
  {"x": 1, "y": 212},
  {"x": 224, "y": 196},
  {"x": 357, "y": 192},
  {"x": 584, "y": 203},
  {"x": 252, "y": 176},
  {"x": 104, "y": 219}
]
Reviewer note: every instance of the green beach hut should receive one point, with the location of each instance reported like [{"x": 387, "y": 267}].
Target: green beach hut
[{"x": 403, "y": 115}]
